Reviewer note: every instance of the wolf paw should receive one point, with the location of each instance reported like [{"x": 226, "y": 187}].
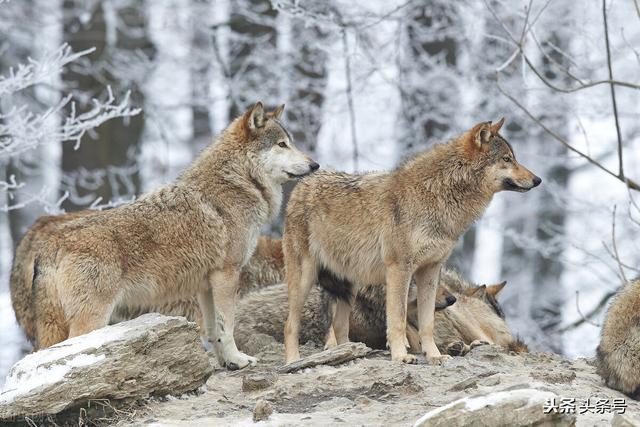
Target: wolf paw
[
  {"x": 405, "y": 358},
  {"x": 478, "y": 343},
  {"x": 457, "y": 348},
  {"x": 239, "y": 361},
  {"x": 438, "y": 360}
]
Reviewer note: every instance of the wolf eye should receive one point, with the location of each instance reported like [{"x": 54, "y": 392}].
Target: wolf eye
[
  {"x": 507, "y": 159},
  {"x": 282, "y": 144}
]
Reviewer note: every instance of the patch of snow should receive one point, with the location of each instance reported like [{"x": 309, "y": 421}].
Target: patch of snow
[
  {"x": 533, "y": 397},
  {"x": 29, "y": 377}
]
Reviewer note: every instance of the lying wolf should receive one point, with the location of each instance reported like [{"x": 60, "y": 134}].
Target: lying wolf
[
  {"x": 465, "y": 316},
  {"x": 618, "y": 355},
  {"x": 188, "y": 238},
  {"x": 389, "y": 227}
]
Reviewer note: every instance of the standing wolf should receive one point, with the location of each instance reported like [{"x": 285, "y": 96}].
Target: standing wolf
[
  {"x": 187, "y": 238},
  {"x": 388, "y": 227},
  {"x": 618, "y": 355},
  {"x": 266, "y": 266}
]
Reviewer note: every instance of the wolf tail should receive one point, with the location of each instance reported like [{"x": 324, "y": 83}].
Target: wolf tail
[
  {"x": 51, "y": 326},
  {"x": 20, "y": 286}
]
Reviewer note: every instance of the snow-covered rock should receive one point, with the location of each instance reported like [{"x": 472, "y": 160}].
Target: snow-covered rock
[
  {"x": 150, "y": 355},
  {"x": 519, "y": 407}
]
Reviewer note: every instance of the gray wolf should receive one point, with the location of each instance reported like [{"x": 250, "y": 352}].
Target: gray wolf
[
  {"x": 265, "y": 267},
  {"x": 464, "y": 317},
  {"x": 190, "y": 237},
  {"x": 618, "y": 355},
  {"x": 390, "y": 227},
  {"x": 265, "y": 311}
]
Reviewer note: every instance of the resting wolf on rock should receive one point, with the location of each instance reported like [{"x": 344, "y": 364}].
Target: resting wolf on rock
[
  {"x": 618, "y": 355},
  {"x": 389, "y": 227},
  {"x": 190, "y": 237}
]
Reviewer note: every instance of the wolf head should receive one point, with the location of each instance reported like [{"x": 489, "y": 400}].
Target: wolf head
[
  {"x": 502, "y": 172},
  {"x": 444, "y": 298},
  {"x": 272, "y": 150},
  {"x": 489, "y": 294},
  {"x": 482, "y": 305}
]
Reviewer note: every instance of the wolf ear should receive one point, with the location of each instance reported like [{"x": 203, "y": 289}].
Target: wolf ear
[
  {"x": 482, "y": 133},
  {"x": 494, "y": 290},
  {"x": 255, "y": 117},
  {"x": 496, "y": 128},
  {"x": 477, "y": 292},
  {"x": 277, "y": 113}
]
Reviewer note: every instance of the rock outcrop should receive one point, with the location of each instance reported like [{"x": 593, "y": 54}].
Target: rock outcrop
[{"x": 148, "y": 356}]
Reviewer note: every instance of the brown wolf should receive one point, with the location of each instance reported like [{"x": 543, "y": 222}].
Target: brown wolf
[
  {"x": 265, "y": 267},
  {"x": 618, "y": 355},
  {"x": 187, "y": 238},
  {"x": 390, "y": 227}
]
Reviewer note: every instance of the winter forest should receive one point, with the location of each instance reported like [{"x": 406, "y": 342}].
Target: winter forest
[{"x": 101, "y": 101}]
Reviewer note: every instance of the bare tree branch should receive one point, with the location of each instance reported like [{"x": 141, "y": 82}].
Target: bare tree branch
[
  {"x": 628, "y": 182},
  {"x": 586, "y": 318},
  {"x": 613, "y": 90}
]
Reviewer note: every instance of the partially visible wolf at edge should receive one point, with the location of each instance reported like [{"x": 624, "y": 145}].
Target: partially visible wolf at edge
[
  {"x": 407, "y": 224},
  {"x": 618, "y": 355},
  {"x": 208, "y": 221}
]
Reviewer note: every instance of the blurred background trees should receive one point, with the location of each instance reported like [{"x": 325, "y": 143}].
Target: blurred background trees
[{"x": 143, "y": 86}]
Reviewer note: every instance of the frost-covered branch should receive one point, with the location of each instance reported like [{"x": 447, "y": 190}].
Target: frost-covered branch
[
  {"x": 35, "y": 72},
  {"x": 22, "y": 130}
]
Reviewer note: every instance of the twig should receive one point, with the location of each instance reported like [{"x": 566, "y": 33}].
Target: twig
[
  {"x": 586, "y": 318},
  {"x": 615, "y": 246},
  {"x": 613, "y": 89}
]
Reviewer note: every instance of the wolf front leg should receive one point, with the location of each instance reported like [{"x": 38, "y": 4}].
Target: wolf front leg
[
  {"x": 224, "y": 287},
  {"x": 427, "y": 278},
  {"x": 398, "y": 278}
]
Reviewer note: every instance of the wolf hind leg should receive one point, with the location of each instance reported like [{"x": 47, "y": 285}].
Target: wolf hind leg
[
  {"x": 51, "y": 326},
  {"x": 301, "y": 274},
  {"x": 89, "y": 320},
  {"x": 341, "y": 321}
]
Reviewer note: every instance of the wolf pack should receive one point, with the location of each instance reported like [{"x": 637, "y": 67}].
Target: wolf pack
[{"x": 362, "y": 256}]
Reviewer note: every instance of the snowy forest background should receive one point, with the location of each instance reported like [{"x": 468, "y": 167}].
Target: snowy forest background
[{"x": 103, "y": 100}]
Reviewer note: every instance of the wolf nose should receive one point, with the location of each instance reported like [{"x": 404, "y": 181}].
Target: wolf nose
[
  {"x": 314, "y": 166},
  {"x": 450, "y": 300},
  {"x": 536, "y": 181}
]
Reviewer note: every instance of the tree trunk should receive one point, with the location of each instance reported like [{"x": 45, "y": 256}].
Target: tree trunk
[
  {"x": 105, "y": 164},
  {"x": 551, "y": 215},
  {"x": 200, "y": 74},
  {"x": 253, "y": 73}
]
